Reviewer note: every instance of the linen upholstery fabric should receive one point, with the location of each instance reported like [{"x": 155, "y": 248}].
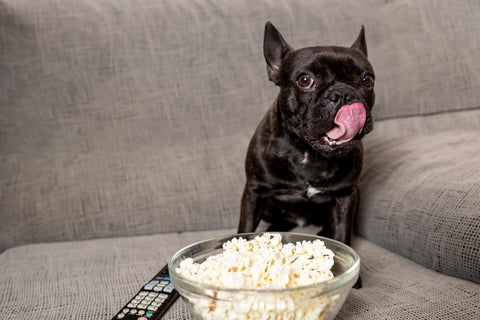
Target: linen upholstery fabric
[
  {"x": 421, "y": 198},
  {"x": 116, "y": 113},
  {"x": 394, "y": 287}
]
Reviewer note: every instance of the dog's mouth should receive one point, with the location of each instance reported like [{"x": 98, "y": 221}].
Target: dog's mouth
[{"x": 349, "y": 122}]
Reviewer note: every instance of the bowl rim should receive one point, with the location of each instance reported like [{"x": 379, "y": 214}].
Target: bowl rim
[{"x": 322, "y": 287}]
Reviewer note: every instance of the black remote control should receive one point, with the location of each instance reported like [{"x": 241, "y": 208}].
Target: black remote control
[{"x": 152, "y": 301}]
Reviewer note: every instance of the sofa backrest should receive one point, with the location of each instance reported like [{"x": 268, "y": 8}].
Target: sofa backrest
[{"x": 133, "y": 117}]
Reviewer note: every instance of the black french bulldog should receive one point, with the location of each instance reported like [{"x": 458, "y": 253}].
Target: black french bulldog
[{"x": 305, "y": 157}]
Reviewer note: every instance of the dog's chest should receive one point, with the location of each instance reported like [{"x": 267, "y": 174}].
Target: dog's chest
[
  {"x": 312, "y": 191},
  {"x": 317, "y": 178},
  {"x": 308, "y": 171}
]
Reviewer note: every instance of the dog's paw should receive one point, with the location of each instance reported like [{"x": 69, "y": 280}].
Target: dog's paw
[{"x": 358, "y": 284}]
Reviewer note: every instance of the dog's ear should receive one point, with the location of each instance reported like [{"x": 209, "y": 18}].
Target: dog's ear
[
  {"x": 361, "y": 43},
  {"x": 275, "y": 48}
]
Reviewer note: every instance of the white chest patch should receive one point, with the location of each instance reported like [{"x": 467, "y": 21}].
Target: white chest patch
[
  {"x": 311, "y": 191},
  {"x": 305, "y": 159}
]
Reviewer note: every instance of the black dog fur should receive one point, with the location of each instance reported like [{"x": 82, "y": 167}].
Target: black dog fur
[{"x": 295, "y": 171}]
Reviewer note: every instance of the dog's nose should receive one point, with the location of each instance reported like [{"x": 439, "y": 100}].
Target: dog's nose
[
  {"x": 335, "y": 96},
  {"x": 338, "y": 96},
  {"x": 349, "y": 98}
]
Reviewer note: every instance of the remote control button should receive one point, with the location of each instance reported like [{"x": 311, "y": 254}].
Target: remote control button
[
  {"x": 126, "y": 310},
  {"x": 160, "y": 299},
  {"x": 152, "y": 308},
  {"x": 169, "y": 288},
  {"x": 151, "y": 284},
  {"x": 164, "y": 282},
  {"x": 142, "y": 293},
  {"x": 156, "y": 304},
  {"x": 142, "y": 318},
  {"x": 149, "y": 314},
  {"x": 142, "y": 306},
  {"x": 153, "y": 294},
  {"x": 163, "y": 295},
  {"x": 121, "y": 316},
  {"x": 133, "y": 311},
  {"x": 137, "y": 301},
  {"x": 141, "y": 312},
  {"x": 132, "y": 305},
  {"x": 166, "y": 278}
]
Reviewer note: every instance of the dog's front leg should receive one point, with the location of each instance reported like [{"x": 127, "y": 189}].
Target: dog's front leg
[
  {"x": 251, "y": 210},
  {"x": 341, "y": 216},
  {"x": 341, "y": 220}
]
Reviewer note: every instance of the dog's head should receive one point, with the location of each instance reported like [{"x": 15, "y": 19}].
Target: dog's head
[{"x": 326, "y": 92}]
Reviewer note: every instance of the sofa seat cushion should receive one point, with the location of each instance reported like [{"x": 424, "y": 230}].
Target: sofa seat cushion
[
  {"x": 93, "y": 279},
  {"x": 395, "y": 287},
  {"x": 420, "y": 197},
  {"x": 90, "y": 279}
]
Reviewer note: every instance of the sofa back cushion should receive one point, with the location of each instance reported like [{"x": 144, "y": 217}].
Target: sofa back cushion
[{"x": 420, "y": 193}]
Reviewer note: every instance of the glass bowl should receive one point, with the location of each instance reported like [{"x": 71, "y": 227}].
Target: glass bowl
[{"x": 317, "y": 301}]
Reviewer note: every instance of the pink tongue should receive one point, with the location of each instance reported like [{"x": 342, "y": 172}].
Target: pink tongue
[{"x": 349, "y": 121}]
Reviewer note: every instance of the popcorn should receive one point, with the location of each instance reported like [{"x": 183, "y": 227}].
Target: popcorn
[{"x": 262, "y": 263}]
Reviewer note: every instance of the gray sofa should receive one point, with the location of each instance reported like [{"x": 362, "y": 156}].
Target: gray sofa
[{"x": 124, "y": 126}]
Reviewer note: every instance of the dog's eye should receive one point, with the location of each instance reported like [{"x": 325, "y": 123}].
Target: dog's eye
[
  {"x": 305, "y": 81},
  {"x": 367, "y": 81}
]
